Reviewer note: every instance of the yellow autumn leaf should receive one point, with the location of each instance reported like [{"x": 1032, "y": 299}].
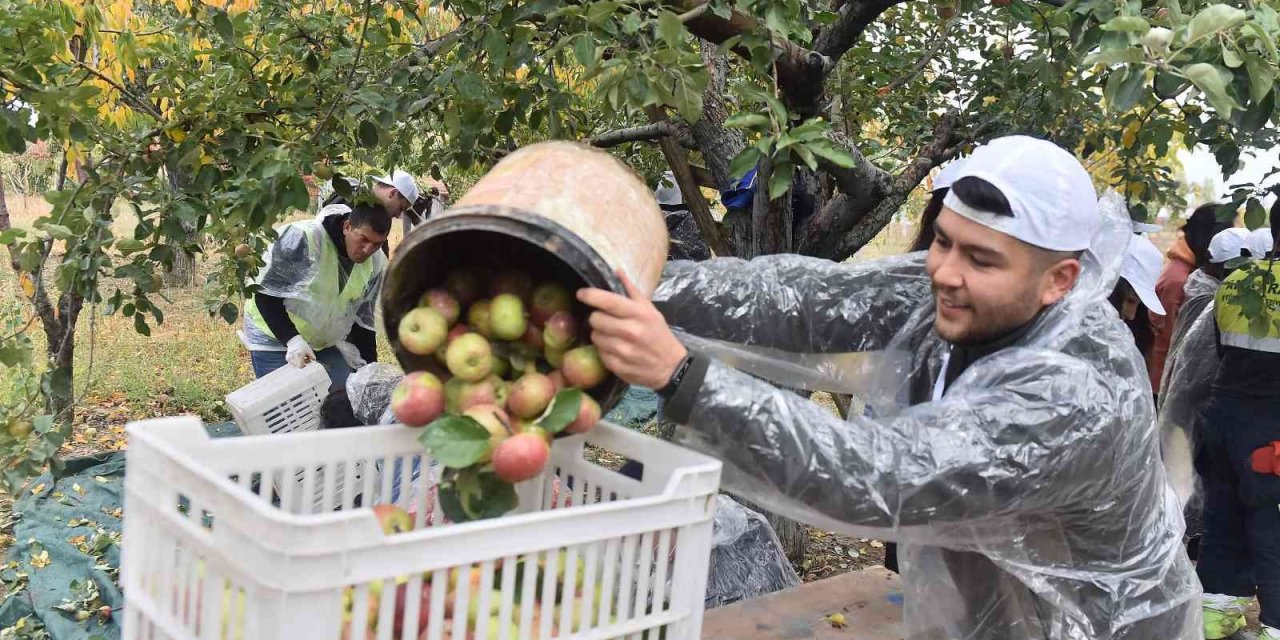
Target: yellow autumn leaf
[
  {"x": 40, "y": 560},
  {"x": 176, "y": 134},
  {"x": 1130, "y": 135},
  {"x": 38, "y": 489},
  {"x": 28, "y": 285},
  {"x": 836, "y": 620},
  {"x": 1135, "y": 189},
  {"x": 989, "y": 100}
]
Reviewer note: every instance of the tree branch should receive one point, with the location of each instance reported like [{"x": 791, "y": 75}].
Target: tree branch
[
  {"x": 930, "y": 155},
  {"x": 851, "y": 21},
  {"x": 645, "y": 133},
  {"x": 124, "y": 93},
  {"x": 679, "y": 162},
  {"x": 801, "y": 72},
  {"x": 935, "y": 45},
  {"x": 346, "y": 84}
]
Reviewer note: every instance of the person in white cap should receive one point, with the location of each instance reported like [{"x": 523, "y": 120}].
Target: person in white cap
[
  {"x": 1260, "y": 243},
  {"x": 1008, "y": 443},
  {"x": 1135, "y": 293},
  {"x": 1238, "y": 455},
  {"x": 397, "y": 193}
]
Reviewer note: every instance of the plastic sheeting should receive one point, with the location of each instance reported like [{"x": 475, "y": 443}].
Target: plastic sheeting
[
  {"x": 747, "y": 560},
  {"x": 291, "y": 266},
  {"x": 1030, "y": 500},
  {"x": 369, "y": 391}
]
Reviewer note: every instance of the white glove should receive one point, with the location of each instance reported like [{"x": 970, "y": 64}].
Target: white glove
[
  {"x": 351, "y": 354},
  {"x": 298, "y": 353}
]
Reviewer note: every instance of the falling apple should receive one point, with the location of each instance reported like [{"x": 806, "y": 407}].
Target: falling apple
[
  {"x": 530, "y": 395},
  {"x": 521, "y": 457},
  {"x": 423, "y": 330},
  {"x": 583, "y": 368},
  {"x": 506, "y": 317},
  {"x": 560, "y": 331},
  {"x": 469, "y": 357},
  {"x": 547, "y": 300},
  {"x": 443, "y": 302},
  {"x": 479, "y": 317},
  {"x": 588, "y": 416},
  {"x": 418, "y": 399}
]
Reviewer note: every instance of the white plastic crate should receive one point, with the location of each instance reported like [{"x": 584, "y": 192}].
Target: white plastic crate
[
  {"x": 205, "y": 557},
  {"x": 286, "y": 400},
  {"x": 283, "y": 401}
]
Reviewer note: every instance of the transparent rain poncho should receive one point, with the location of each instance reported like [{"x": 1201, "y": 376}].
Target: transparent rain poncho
[
  {"x": 1187, "y": 382},
  {"x": 369, "y": 391},
  {"x": 747, "y": 560},
  {"x": 292, "y": 270},
  {"x": 1030, "y": 499}
]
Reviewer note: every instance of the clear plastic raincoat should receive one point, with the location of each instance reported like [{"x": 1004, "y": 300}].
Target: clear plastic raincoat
[
  {"x": 323, "y": 300},
  {"x": 1187, "y": 381},
  {"x": 1029, "y": 496}
]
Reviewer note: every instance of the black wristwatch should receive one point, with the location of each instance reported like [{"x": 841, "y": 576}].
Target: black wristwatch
[{"x": 676, "y": 378}]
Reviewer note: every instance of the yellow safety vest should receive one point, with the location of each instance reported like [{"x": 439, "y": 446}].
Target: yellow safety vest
[
  {"x": 326, "y": 314},
  {"x": 1234, "y": 323}
]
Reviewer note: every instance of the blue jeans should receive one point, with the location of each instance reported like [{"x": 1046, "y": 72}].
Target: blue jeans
[
  {"x": 265, "y": 362},
  {"x": 1240, "y": 549}
]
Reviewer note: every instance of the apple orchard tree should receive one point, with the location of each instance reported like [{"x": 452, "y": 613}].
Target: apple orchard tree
[{"x": 203, "y": 118}]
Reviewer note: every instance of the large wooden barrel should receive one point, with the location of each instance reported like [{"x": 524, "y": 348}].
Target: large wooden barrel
[{"x": 556, "y": 210}]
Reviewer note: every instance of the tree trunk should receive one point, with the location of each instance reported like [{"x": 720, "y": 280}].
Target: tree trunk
[
  {"x": 183, "y": 271},
  {"x": 59, "y": 323},
  {"x": 4, "y": 206}
]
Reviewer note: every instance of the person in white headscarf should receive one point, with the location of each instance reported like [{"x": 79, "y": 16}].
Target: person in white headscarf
[{"x": 1009, "y": 444}]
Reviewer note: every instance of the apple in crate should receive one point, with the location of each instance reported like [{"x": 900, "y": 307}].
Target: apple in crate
[
  {"x": 444, "y": 303},
  {"x": 393, "y": 519},
  {"x": 583, "y": 368},
  {"x": 418, "y": 399}
]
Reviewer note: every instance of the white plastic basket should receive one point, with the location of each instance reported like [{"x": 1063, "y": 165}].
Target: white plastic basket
[
  {"x": 206, "y": 557},
  {"x": 283, "y": 401}
]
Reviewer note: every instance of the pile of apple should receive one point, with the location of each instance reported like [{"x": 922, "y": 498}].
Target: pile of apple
[{"x": 518, "y": 369}]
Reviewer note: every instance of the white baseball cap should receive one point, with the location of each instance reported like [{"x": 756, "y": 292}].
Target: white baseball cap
[
  {"x": 947, "y": 176},
  {"x": 1054, "y": 204},
  {"x": 403, "y": 182},
  {"x": 1140, "y": 268},
  {"x": 1227, "y": 244},
  {"x": 1259, "y": 243}
]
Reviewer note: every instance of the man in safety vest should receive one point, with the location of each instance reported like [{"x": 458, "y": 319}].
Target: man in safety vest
[
  {"x": 1238, "y": 454},
  {"x": 316, "y": 293}
]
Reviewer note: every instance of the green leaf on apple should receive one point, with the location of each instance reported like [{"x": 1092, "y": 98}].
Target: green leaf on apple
[
  {"x": 455, "y": 441},
  {"x": 471, "y": 495},
  {"x": 562, "y": 412}
]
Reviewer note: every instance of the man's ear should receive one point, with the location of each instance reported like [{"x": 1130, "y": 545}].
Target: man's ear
[
  {"x": 346, "y": 226},
  {"x": 1058, "y": 280}
]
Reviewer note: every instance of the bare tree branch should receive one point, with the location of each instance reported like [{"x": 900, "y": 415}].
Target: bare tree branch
[
  {"x": 931, "y": 155},
  {"x": 128, "y": 97},
  {"x": 679, "y": 162},
  {"x": 801, "y": 72},
  {"x": 645, "y": 133},
  {"x": 935, "y": 45},
  {"x": 851, "y": 21}
]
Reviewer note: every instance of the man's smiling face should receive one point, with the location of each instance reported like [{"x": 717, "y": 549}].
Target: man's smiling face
[{"x": 986, "y": 283}]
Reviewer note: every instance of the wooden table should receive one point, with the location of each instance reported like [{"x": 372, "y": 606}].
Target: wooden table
[{"x": 870, "y": 599}]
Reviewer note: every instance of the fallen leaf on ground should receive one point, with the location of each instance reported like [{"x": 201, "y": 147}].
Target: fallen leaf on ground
[{"x": 836, "y": 620}]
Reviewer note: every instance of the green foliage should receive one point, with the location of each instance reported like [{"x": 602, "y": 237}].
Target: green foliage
[{"x": 29, "y": 439}]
